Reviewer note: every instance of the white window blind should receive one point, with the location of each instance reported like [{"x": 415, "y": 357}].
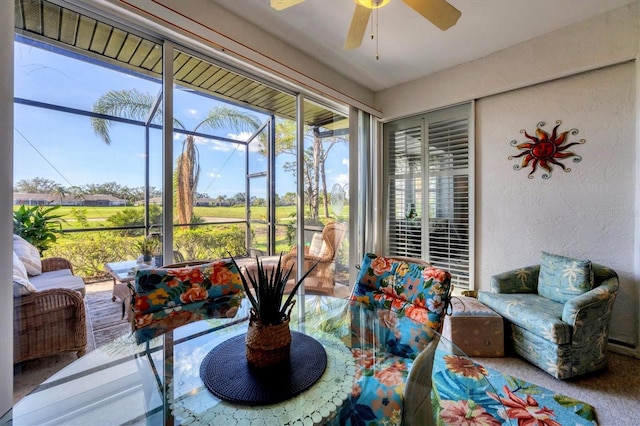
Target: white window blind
[
  {"x": 431, "y": 222},
  {"x": 405, "y": 194},
  {"x": 448, "y": 144}
]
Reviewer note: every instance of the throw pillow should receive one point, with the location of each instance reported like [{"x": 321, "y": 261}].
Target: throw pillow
[
  {"x": 316, "y": 244},
  {"x": 21, "y": 284},
  {"x": 562, "y": 278},
  {"x": 28, "y": 254},
  {"x": 167, "y": 298},
  {"x": 399, "y": 302}
]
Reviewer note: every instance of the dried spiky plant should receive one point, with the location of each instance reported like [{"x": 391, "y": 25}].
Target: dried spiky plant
[{"x": 268, "y": 286}]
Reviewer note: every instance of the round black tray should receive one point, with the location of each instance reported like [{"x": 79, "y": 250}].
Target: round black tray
[{"x": 227, "y": 375}]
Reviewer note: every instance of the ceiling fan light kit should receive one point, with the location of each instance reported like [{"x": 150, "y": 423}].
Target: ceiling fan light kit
[{"x": 372, "y": 4}]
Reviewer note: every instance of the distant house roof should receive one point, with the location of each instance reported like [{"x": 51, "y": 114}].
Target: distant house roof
[
  {"x": 67, "y": 200},
  {"x": 204, "y": 201}
]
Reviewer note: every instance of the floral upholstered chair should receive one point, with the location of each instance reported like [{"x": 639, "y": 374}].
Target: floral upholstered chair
[
  {"x": 558, "y": 312},
  {"x": 396, "y": 313},
  {"x": 166, "y": 298}
]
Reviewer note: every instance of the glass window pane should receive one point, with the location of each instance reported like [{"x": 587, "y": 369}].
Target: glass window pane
[
  {"x": 210, "y": 144},
  {"x": 285, "y": 185},
  {"x": 326, "y": 182},
  {"x": 55, "y": 76}
]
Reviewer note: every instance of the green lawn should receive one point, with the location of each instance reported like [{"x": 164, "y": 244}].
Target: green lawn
[{"x": 96, "y": 217}]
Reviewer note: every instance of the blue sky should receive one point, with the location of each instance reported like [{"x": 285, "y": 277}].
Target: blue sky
[{"x": 64, "y": 148}]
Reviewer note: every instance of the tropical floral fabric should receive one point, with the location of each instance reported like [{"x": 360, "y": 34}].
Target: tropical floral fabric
[
  {"x": 167, "y": 298},
  {"x": 565, "y": 339},
  {"x": 394, "y": 308},
  {"x": 466, "y": 393}
]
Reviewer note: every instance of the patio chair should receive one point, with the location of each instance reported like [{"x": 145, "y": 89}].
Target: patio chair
[
  {"x": 396, "y": 313},
  {"x": 323, "y": 250},
  {"x": 51, "y": 320}
]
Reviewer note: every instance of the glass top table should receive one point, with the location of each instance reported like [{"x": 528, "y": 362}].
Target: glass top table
[{"x": 159, "y": 382}]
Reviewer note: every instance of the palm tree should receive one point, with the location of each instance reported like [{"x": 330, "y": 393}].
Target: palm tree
[
  {"x": 315, "y": 158},
  {"x": 60, "y": 192},
  {"x": 135, "y": 105}
]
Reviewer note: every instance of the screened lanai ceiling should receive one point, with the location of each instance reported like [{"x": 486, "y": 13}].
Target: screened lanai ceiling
[{"x": 76, "y": 33}]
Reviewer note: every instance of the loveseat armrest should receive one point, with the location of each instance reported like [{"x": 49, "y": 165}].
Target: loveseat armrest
[
  {"x": 292, "y": 256},
  {"x": 594, "y": 306},
  {"x": 55, "y": 264},
  {"x": 49, "y": 322},
  {"x": 53, "y": 298},
  {"x": 522, "y": 280}
]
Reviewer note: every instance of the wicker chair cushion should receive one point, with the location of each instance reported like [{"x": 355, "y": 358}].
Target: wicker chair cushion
[
  {"x": 316, "y": 244},
  {"x": 21, "y": 284},
  {"x": 28, "y": 254},
  {"x": 61, "y": 278}
]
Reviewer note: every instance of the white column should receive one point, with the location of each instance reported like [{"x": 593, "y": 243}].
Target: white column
[{"x": 6, "y": 202}]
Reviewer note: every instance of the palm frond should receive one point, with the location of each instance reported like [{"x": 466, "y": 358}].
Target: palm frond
[
  {"x": 130, "y": 104},
  {"x": 225, "y": 117}
]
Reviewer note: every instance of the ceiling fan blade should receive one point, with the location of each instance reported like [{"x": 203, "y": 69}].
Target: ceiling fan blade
[
  {"x": 283, "y": 4},
  {"x": 358, "y": 26},
  {"x": 439, "y": 12}
]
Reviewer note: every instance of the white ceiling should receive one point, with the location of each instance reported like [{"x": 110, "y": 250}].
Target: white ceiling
[{"x": 410, "y": 46}]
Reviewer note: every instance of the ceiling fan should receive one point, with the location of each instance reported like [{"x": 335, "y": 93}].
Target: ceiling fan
[{"x": 438, "y": 12}]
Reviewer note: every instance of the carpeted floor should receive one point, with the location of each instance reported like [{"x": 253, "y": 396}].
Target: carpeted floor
[{"x": 614, "y": 392}]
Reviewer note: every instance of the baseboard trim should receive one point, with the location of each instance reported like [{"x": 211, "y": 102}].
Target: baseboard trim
[{"x": 624, "y": 350}]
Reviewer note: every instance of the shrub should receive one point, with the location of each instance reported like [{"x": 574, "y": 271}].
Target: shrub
[
  {"x": 89, "y": 251},
  {"x": 38, "y": 225},
  {"x": 210, "y": 243},
  {"x": 135, "y": 217}
]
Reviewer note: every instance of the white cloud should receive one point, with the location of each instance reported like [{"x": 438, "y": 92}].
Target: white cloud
[
  {"x": 342, "y": 179},
  {"x": 214, "y": 145},
  {"x": 345, "y": 162},
  {"x": 244, "y": 137}
]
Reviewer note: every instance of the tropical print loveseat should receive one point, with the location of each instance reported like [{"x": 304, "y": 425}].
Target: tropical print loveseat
[{"x": 558, "y": 312}]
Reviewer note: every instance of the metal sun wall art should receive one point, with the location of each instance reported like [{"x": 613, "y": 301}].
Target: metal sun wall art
[{"x": 545, "y": 149}]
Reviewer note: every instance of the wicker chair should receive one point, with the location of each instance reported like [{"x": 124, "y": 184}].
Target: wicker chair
[
  {"x": 322, "y": 279},
  {"x": 50, "y": 321}
]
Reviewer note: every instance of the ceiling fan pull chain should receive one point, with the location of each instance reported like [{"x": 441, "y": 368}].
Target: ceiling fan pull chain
[
  {"x": 377, "y": 32},
  {"x": 371, "y": 27}
]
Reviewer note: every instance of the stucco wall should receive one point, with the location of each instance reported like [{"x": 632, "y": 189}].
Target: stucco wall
[
  {"x": 585, "y": 76},
  {"x": 602, "y": 40},
  {"x": 586, "y": 213}
]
